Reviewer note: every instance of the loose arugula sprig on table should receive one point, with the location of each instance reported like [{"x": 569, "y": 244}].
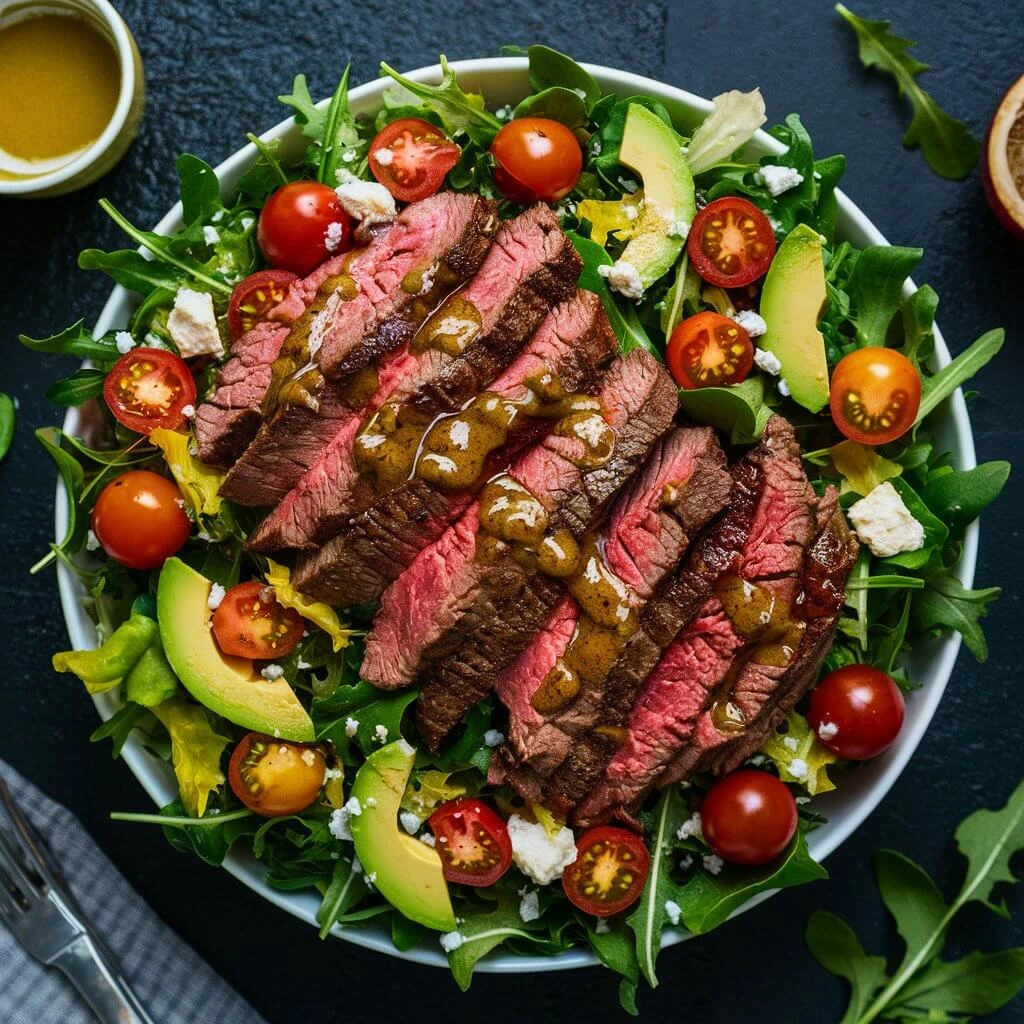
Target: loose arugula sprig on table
[{"x": 923, "y": 986}]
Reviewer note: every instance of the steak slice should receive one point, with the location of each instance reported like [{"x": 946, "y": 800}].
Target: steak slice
[
  {"x": 530, "y": 267},
  {"x": 505, "y": 603},
  {"x": 357, "y": 308},
  {"x": 229, "y": 419},
  {"x": 574, "y": 342},
  {"x": 681, "y": 488}
]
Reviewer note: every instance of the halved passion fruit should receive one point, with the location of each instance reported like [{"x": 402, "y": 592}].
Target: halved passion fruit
[{"x": 1003, "y": 160}]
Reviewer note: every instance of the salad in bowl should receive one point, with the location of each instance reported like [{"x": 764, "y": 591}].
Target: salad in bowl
[{"x": 513, "y": 517}]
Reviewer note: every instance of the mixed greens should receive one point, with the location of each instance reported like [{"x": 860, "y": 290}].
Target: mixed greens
[{"x": 894, "y": 603}]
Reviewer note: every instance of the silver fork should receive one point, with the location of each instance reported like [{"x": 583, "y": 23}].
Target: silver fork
[{"x": 42, "y": 915}]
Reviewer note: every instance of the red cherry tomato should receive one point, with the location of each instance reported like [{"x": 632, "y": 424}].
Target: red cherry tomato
[
  {"x": 149, "y": 388},
  {"x": 139, "y": 519},
  {"x": 748, "y": 817},
  {"x": 709, "y": 350},
  {"x": 275, "y": 778},
  {"x": 472, "y": 840},
  {"x": 253, "y": 298},
  {"x": 857, "y": 711},
  {"x": 731, "y": 243},
  {"x": 609, "y": 871},
  {"x": 251, "y": 623},
  {"x": 292, "y": 230},
  {"x": 538, "y": 160},
  {"x": 410, "y": 158},
  {"x": 875, "y": 394}
]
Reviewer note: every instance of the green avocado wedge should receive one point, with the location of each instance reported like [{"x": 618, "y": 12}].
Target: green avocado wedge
[
  {"x": 231, "y": 687},
  {"x": 651, "y": 149},
  {"x": 408, "y": 873},
  {"x": 792, "y": 303}
]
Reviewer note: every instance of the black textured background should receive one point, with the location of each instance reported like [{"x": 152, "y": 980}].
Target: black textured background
[{"x": 213, "y": 71}]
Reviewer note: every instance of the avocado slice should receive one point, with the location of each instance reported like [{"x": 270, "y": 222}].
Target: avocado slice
[
  {"x": 407, "y": 872},
  {"x": 232, "y": 687},
  {"x": 652, "y": 149},
  {"x": 792, "y": 303}
]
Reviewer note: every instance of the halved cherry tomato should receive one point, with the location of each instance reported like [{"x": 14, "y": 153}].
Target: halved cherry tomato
[
  {"x": 293, "y": 226},
  {"x": 748, "y": 817},
  {"x": 709, "y": 350},
  {"x": 731, "y": 242},
  {"x": 875, "y": 394},
  {"x": 275, "y": 778},
  {"x": 472, "y": 840},
  {"x": 251, "y": 623},
  {"x": 410, "y": 158},
  {"x": 538, "y": 160},
  {"x": 609, "y": 871},
  {"x": 139, "y": 519},
  {"x": 149, "y": 388},
  {"x": 857, "y": 711},
  {"x": 253, "y": 298}
]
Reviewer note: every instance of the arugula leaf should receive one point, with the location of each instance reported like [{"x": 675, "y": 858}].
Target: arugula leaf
[
  {"x": 918, "y": 323},
  {"x": 947, "y": 144},
  {"x": 551, "y": 69},
  {"x": 339, "y": 132},
  {"x": 834, "y": 945},
  {"x": 121, "y": 724},
  {"x": 980, "y": 983},
  {"x": 616, "y": 949},
  {"x": 913, "y": 899},
  {"x": 685, "y": 286},
  {"x": 308, "y": 116},
  {"x": 959, "y": 496},
  {"x": 74, "y": 482},
  {"x": 941, "y": 385},
  {"x": 346, "y": 889},
  {"x": 132, "y": 270},
  {"x": 8, "y": 416},
  {"x": 200, "y": 190},
  {"x": 945, "y": 604},
  {"x": 876, "y": 287},
  {"x": 557, "y": 103},
  {"x": 738, "y": 410},
  {"x": 264, "y": 174},
  {"x": 75, "y": 341},
  {"x": 83, "y": 384}
]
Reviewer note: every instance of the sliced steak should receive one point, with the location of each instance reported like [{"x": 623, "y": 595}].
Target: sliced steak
[
  {"x": 504, "y": 602},
  {"x": 229, "y": 419},
  {"x": 460, "y": 349},
  {"x": 574, "y": 342},
  {"x": 358, "y": 308},
  {"x": 681, "y": 488}
]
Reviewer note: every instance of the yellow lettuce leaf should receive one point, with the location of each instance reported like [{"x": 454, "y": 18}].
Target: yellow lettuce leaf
[
  {"x": 800, "y": 756},
  {"x": 195, "y": 751},
  {"x": 713, "y": 296},
  {"x": 551, "y": 824},
  {"x": 323, "y": 615},
  {"x": 612, "y": 216},
  {"x": 861, "y": 467},
  {"x": 198, "y": 483},
  {"x": 433, "y": 788}
]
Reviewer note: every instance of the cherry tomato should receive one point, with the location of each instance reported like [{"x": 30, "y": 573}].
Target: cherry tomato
[
  {"x": 274, "y": 778},
  {"x": 472, "y": 840},
  {"x": 139, "y": 519},
  {"x": 538, "y": 160},
  {"x": 709, "y": 350},
  {"x": 253, "y": 298},
  {"x": 875, "y": 394},
  {"x": 292, "y": 230},
  {"x": 609, "y": 871},
  {"x": 410, "y": 158},
  {"x": 251, "y": 623},
  {"x": 857, "y": 711},
  {"x": 748, "y": 817},
  {"x": 149, "y": 388},
  {"x": 731, "y": 242}
]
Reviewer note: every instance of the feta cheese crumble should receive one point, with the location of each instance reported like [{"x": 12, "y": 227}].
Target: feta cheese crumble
[
  {"x": 451, "y": 941},
  {"x": 690, "y": 827},
  {"x": 188, "y": 411},
  {"x": 308, "y": 757},
  {"x": 334, "y": 235},
  {"x": 217, "y": 593},
  {"x": 428, "y": 838},
  {"x": 783, "y": 387},
  {"x": 351, "y": 725},
  {"x": 493, "y": 738},
  {"x": 367, "y": 201},
  {"x": 211, "y": 236},
  {"x": 713, "y": 864},
  {"x": 272, "y": 672},
  {"x": 779, "y": 179},
  {"x": 623, "y": 278},
  {"x": 539, "y": 856},
  {"x": 798, "y": 768},
  {"x": 827, "y": 730},
  {"x": 353, "y": 806},
  {"x": 92, "y": 543},
  {"x": 884, "y": 523},
  {"x": 338, "y": 826},
  {"x": 790, "y": 743},
  {"x": 674, "y": 911},
  {"x": 753, "y": 323},
  {"x": 409, "y": 821},
  {"x": 192, "y": 324},
  {"x": 380, "y": 732},
  {"x": 124, "y": 342},
  {"x": 679, "y": 228},
  {"x": 767, "y": 361},
  {"x": 602, "y": 927},
  {"x": 529, "y": 906}
]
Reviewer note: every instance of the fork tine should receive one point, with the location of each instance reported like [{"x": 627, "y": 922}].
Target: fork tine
[
  {"x": 35, "y": 854},
  {"x": 8, "y": 903},
  {"x": 12, "y": 866}
]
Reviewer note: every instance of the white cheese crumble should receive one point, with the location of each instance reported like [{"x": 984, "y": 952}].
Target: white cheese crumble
[
  {"x": 753, "y": 323},
  {"x": 451, "y": 941},
  {"x": 409, "y": 821},
  {"x": 371, "y": 878},
  {"x": 529, "y": 906},
  {"x": 385, "y": 157},
  {"x": 690, "y": 827},
  {"x": 92, "y": 543},
  {"x": 188, "y": 411},
  {"x": 827, "y": 730},
  {"x": 679, "y": 228},
  {"x": 211, "y": 236},
  {"x": 272, "y": 672},
  {"x": 351, "y": 725},
  {"x": 428, "y": 838},
  {"x": 353, "y": 806},
  {"x": 493, "y": 738},
  {"x": 674, "y": 911},
  {"x": 367, "y": 201},
  {"x": 767, "y": 361},
  {"x": 192, "y": 324},
  {"x": 381, "y": 732},
  {"x": 334, "y": 235},
  {"x": 338, "y": 826},
  {"x": 686, "y": 862},
  {"x": 783, "y": 386},
  {"x": 124, "y": 342},
  {"x": 308, "y": 757},
  {"x": 602, "y": 927},
  {"x": 538, "y": 855},
  {"x": 623, "y": 278},
  {"x": 713, "y": 864},
  {"x": 790, "y": 743},
  {"x": 798, "y": 768},
  {"x": 884, "y": 523},
  {"x": 217, "y": 593},
  {"x": 779, "y": 179}
]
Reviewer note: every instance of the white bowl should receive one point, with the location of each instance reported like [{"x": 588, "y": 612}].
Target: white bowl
[{"x": 504, "y": 80}]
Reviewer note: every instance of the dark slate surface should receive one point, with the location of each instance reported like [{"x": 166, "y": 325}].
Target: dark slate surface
[{"x": 213, "y": 73}]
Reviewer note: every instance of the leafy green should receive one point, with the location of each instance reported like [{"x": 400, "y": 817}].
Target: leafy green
[
  {"x": 739, "y": 410},
  {"x": 76, "y": 341},
  {"x": 835, "y": 946},
  {"x": 556, "y": 103},
  {"x": 346, "y": 889},
  {"x": 122, "y": 723},
  {"x": 685, "y": 288},
  {"x": 918, "y": 323},
  {"x": 941, "y": 385},
  {"x": 551, "y": 69},
  {"x": 876, "y": 287},
  {"x": 946, "y": 604},
  {"x": 8, "y": 415},
  {"x": 734, "y": 118},
  {"x": 83, "y": 384},
  {"x": 959, "y": 496},
  {"x": 132, "y": 270},
  {"x": 798, "y": 745},
  {"x": 339, "y": 132},
  {"x": 616, "y": 949},
  {"x": 195, "y": 751},
  {"x": 947, "y": 144}
]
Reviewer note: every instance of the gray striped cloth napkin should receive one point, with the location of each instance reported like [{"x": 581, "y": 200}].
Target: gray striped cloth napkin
[{"x": 172, "y": 982}]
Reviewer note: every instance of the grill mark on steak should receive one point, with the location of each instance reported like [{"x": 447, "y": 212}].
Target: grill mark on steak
[
  {"x": 529, "y": 252},
  {"x": 574, "y": 342},
  {"x": 448, "y": 230}
]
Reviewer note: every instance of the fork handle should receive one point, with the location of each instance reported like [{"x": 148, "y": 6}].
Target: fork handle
[{"x": 106, "y": 992}]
